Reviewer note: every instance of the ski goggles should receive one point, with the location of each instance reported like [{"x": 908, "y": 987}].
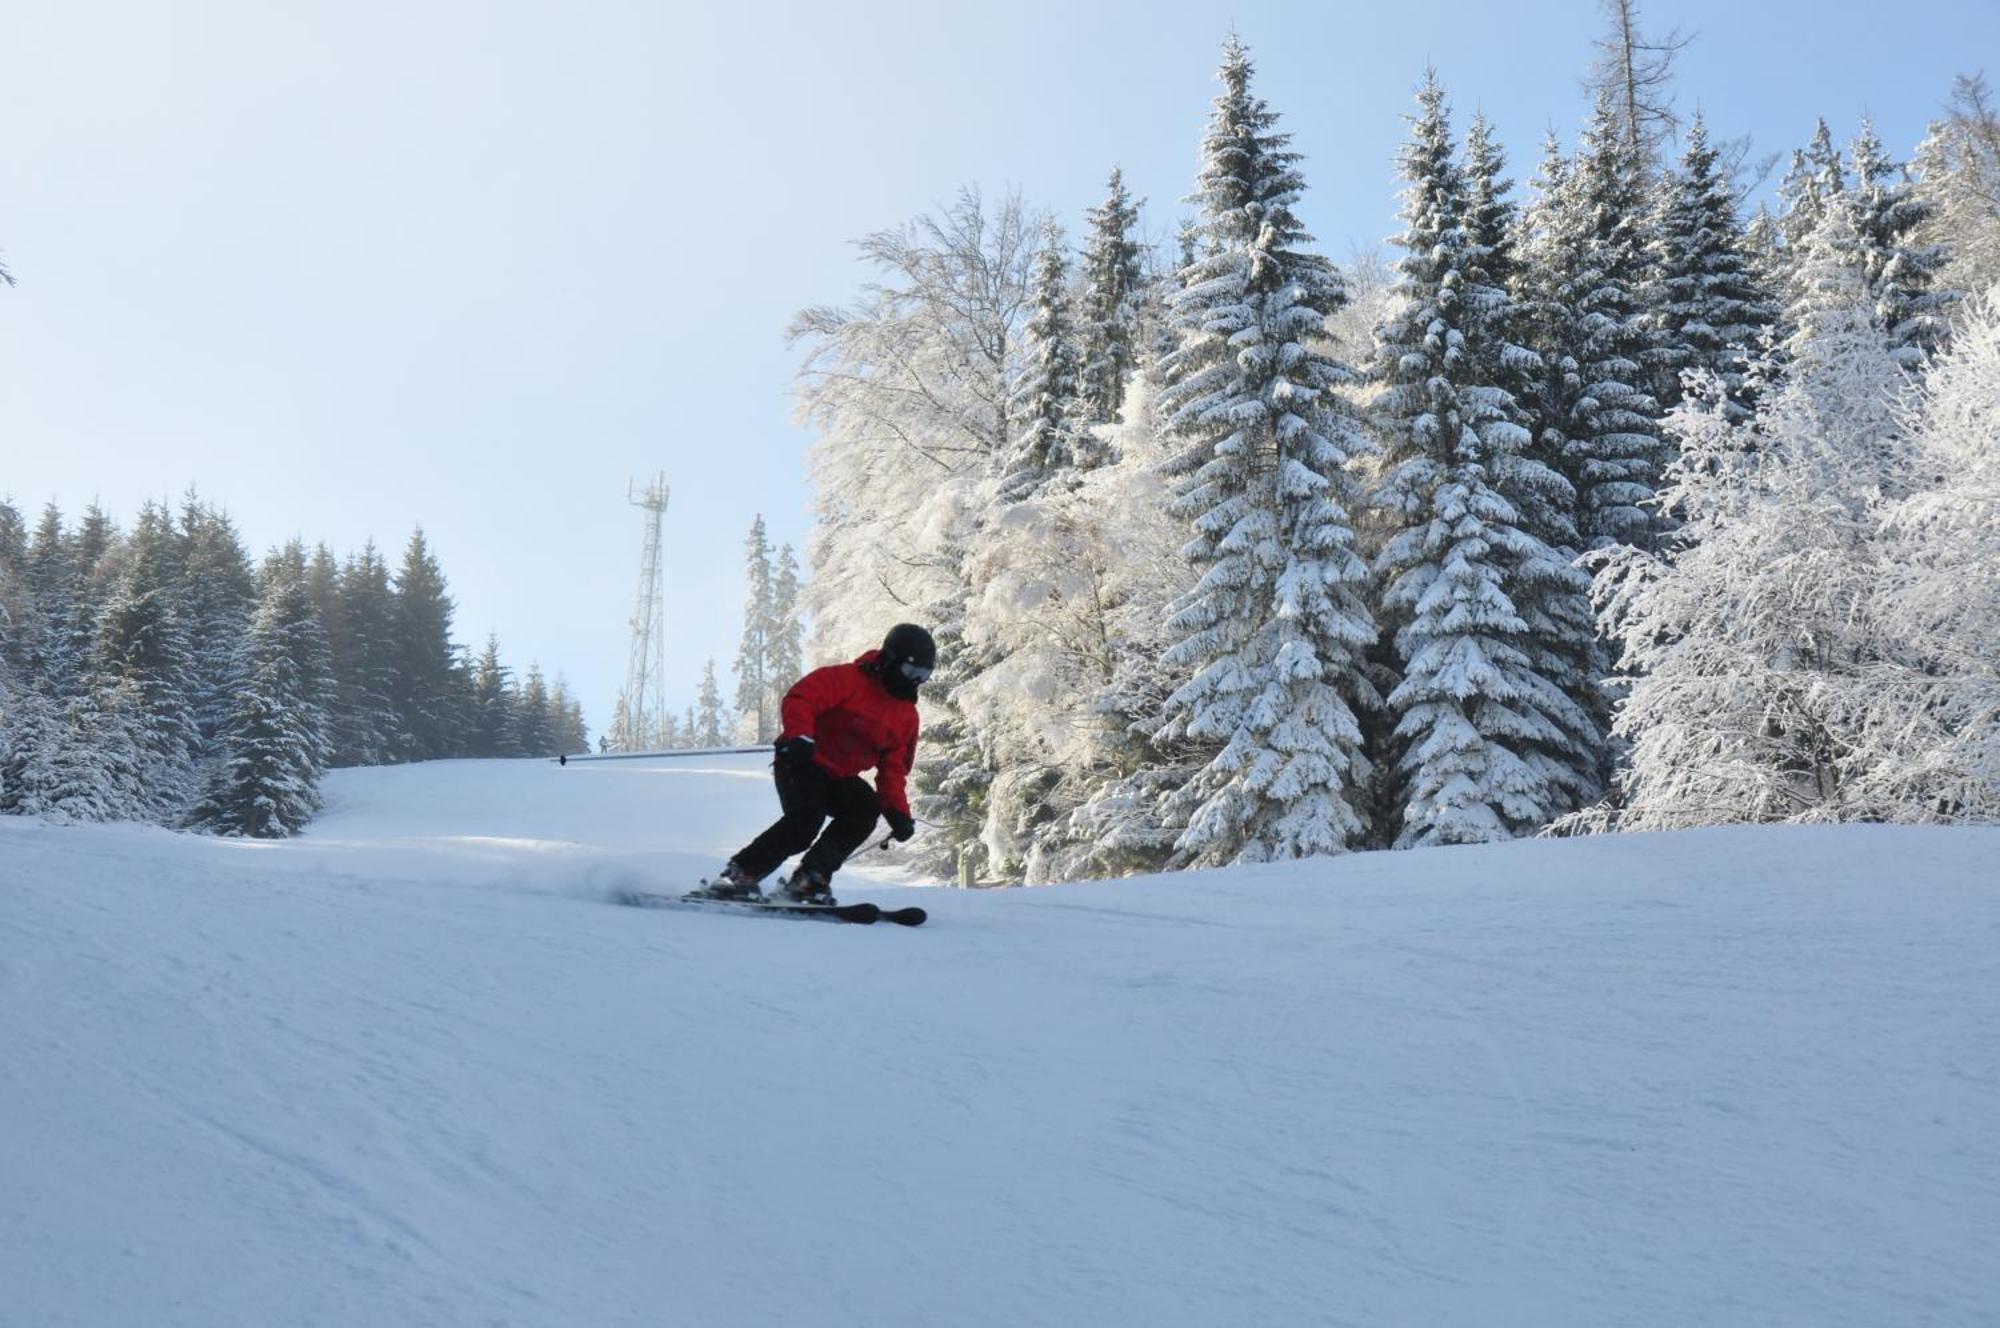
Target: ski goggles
[{"x": 917, "y": 673}]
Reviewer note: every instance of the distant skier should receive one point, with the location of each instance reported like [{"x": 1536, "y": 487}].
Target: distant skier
[{"x": 838, "y": 721}]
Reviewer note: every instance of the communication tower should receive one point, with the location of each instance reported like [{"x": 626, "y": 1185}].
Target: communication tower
[{"x": 644, "y": 699}]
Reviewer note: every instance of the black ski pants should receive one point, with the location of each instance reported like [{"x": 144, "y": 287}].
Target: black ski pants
[{"x": 809, "y": 796}]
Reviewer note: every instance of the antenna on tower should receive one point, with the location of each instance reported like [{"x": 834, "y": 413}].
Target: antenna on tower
[{"x": 644, "y": 700}]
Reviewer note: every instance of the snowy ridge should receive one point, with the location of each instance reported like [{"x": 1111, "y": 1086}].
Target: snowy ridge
[{"x": 410, "y": 1069}]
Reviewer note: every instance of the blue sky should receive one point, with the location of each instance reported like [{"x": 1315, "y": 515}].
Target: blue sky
[{"x": 348, "y": 267}]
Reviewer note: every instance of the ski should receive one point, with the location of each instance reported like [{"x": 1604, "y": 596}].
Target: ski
[{"x": 862, "y": 914}]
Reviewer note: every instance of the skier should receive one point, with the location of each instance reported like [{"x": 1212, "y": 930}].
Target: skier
[{"x": 838, "y": 721}]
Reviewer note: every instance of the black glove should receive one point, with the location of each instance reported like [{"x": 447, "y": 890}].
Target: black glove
[
  {"x": 901, "y": 827},
  {"x": 794, "y": 753}
]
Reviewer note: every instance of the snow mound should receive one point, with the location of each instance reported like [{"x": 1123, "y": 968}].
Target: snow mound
[{"x": 413, "y": 1069}]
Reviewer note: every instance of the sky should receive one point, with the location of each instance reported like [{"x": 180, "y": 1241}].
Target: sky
[{"x": 351, "y": 268}]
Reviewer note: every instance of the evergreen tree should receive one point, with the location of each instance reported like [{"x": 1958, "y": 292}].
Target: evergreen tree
[
  {"x": 1046, "y": 406},
  {"x": 1491, "y": 748},
  {"x": 276, "y": 737},
  {"x": 1271, "y": 641},
  {"x": 1589, "y": 245},
  {"x": 1113, "y": 283},
  {"x": 219, "y": 597},
  {"x": 1901, "y": 271},
  {"x": 757, "y": 715},
  {"x": 707, "y": 725},
  {"x": 493, "y": 719},
  {"x": 534, "y": 735},
  {"x": 571, "y": 735},
  {"x": 366, "y": 726},
  {"x": 427, "y": 672},
  {"x": 141, "y": 665},
  {"x": 1714, "y": 313},
  {"x": 61, "y": 652},
  {"x": 1814, "y": 179},
  {"x": 784, "y": 649}
]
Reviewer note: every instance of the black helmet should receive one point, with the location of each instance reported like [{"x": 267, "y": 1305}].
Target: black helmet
[{"x": 907, "y": 658}]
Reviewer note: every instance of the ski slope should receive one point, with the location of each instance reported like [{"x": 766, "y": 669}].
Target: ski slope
[{"x": 412, "y": 1069}]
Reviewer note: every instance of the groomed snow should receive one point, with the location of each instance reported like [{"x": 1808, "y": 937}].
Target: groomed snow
[{"x": 412, "y": 1069}]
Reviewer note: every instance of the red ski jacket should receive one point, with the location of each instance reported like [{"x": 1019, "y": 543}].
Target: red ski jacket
[{"x": 855, "y": 725}]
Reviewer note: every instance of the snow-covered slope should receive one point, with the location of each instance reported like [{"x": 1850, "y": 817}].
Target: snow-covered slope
[{"x": 411, "y": 1069}]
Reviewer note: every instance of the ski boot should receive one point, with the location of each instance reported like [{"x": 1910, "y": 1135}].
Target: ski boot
[
  {"x": 807, "y": 886},
  {"x": 731, "y": 883}
]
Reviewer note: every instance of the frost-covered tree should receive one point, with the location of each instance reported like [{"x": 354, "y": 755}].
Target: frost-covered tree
[
  {"x": 1715, "y": 313},
  {"x": 1489, "y": 748},
  {"x": 1749, "y": 643},
  {"x": 1270, "y": 642},
  {"x": 1047, "y": 408},
  {"x": 1114, "y": 282},
  {"x": 907, "y": 391},
  {"x": 1957, "y": 171},
  {"x": 1931, "y": 724},
  {"x": 275, "y": 741}
]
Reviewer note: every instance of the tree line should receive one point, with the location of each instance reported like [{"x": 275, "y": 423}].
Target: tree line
[
  {"x": 158, "y": 674},
  {"x": 1581, "y": 514}
]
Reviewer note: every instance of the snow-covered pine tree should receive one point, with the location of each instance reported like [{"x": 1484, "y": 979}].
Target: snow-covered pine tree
[
  {"x": 1489, "y": 747},
  {"x": 1814, "y": 178},
  {"x": 275, "y": 741},
  {"x": 572, "y": 735},
  {"x": 708, "y": 725},
  {"x": 1046, "y": 408},
  {"x": 493, "y": 719},
  {"x": 756, "y": 714},
  {"x": 218, "y": 594},
  {"x": 366, "y": 725},
  {"x": 784, "y": 649},
  {"x": 1901, "y": 269},
  {"x": 1612, "y": 430},
  {"x": 61, "y": 651},
  {"x": 1113, "y": 286},
  {"x": 1271, "y": 640},
  {"x": 141, "y": 665},
  {"x": 534, "y": 735},
  {"x": 428, "y": 672},
  {"x": 1715, "y": 313}
]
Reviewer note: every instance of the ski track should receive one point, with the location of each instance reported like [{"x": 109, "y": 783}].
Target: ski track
[{"x": 412, "y": 1068}]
